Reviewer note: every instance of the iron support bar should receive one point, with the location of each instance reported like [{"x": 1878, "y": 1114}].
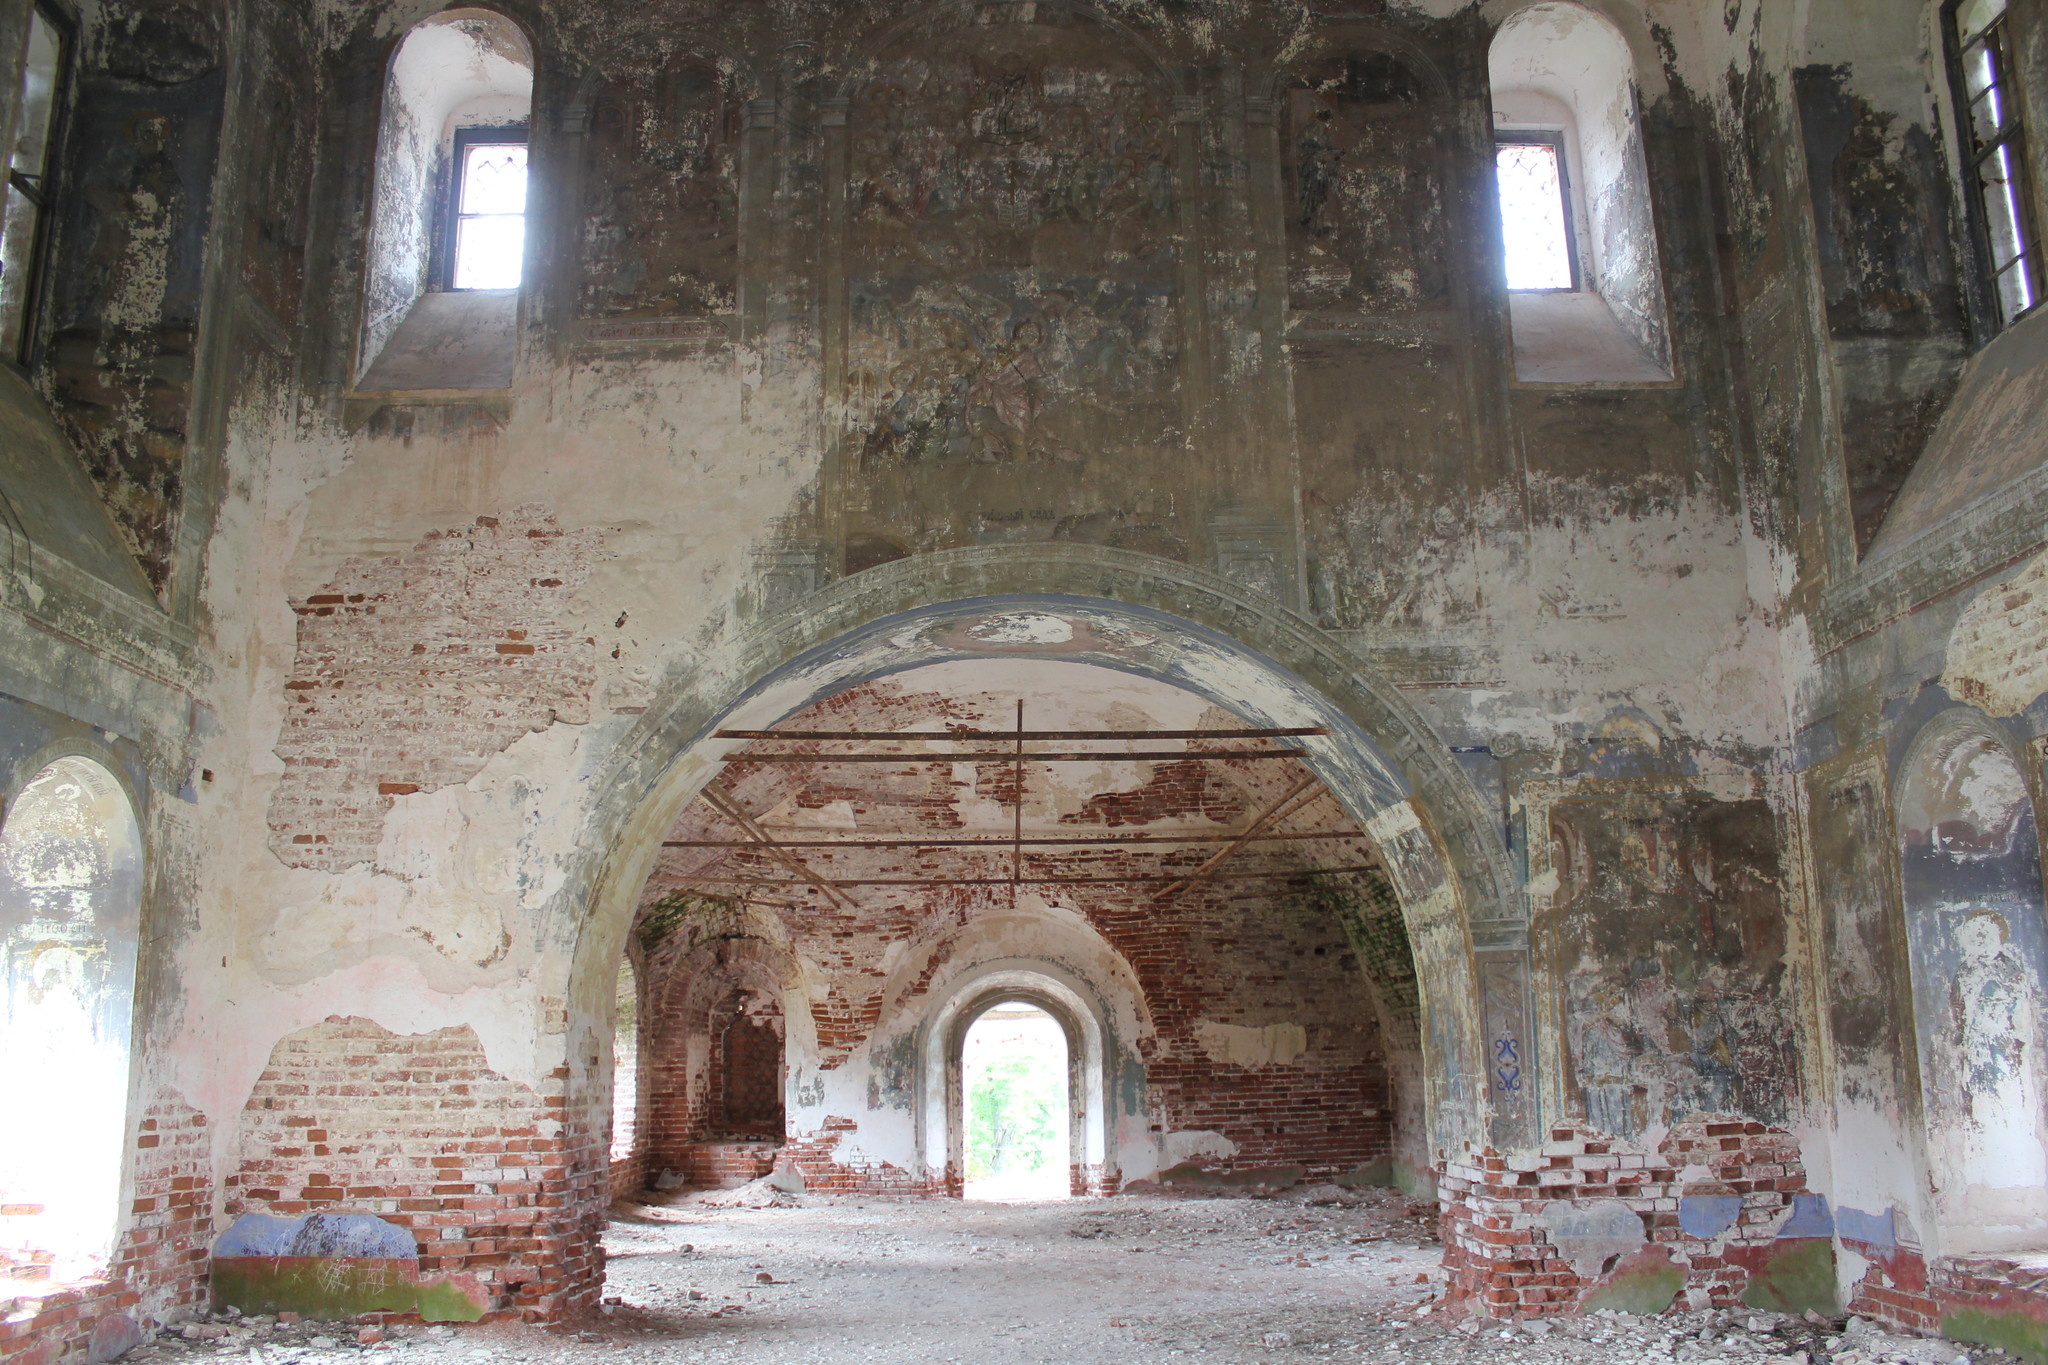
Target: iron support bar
[
  {"x": 1107, "y": 842},
  {"x": 1287, "y": 733},
  {"x": 723, "y": 802},
  {"x": 1037, "y": 881},
  {"x": 1139, "y": 756},
  {"x": 1265, "y": 818}
]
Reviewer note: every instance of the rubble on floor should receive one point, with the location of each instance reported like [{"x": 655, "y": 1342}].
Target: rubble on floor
[{"x": 835, "y": 1280}]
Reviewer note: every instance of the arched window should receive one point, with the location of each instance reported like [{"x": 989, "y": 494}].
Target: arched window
[
  {"x": 448, "y": 214},
  {"x": 1579, "y": 248},
  {"x": 626, "y": 1064},
  {"x": 70, "y": 909},
  {"x": 1970, "y": 867}
]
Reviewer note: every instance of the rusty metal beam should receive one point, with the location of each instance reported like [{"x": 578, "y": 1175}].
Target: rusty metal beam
[
  {"x": 1265, "y": 817},
  {"x": 1127, "y": 756},
  {"x": 1285, "y": 733},
  {"x": 1274, "y": 874},
  {"x": 1062, "y": 842},
  {"x": 722, "y": 801}
]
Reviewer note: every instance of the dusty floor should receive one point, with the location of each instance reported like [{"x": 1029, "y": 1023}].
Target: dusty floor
[{"x": 1086, "y": 1282}]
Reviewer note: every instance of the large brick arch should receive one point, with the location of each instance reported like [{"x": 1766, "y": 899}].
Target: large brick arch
[{"x": 1126, "y": 611}]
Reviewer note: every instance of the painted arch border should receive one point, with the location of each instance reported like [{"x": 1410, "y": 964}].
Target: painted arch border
[{"x": 1430, "y": 822}]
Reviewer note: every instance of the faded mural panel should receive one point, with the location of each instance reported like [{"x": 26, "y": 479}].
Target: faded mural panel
[
  {"x": 1667, "y": 941},
  {"x": 1970, "y": 864},
  {"x": 1013, "y": 312},
  {"x": 660, "y": 222}
]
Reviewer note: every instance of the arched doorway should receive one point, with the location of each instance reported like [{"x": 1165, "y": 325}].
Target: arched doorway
[
  {"x": 1148, "y": 844},
  {"x": 1450, "y": 883},
  {"x": 1016, "y": 1108},
  {"x": 71, "y": 871},
  {"x": 1977, "y": 935}
]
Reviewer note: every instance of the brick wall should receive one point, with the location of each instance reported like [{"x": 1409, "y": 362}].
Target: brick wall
[
  {"x": 158, "y": 1271},
  {"x": 1499, "y": 1254},
  {"x": 412, "y": 670},
  {"x": 417, "y": 1129}
]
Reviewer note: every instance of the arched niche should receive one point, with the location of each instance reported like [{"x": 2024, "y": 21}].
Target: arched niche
[
  {"x": 1977, "y": 940},
  {"x": 71, "y": 872},
  {"x": 459, "y": 70},
  {"x": 706, "y": 978}
]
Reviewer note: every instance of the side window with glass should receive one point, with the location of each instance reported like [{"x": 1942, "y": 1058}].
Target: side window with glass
[
  {"x": 1986, "y": 76},
  {"x": 441, "y": 295},
  {"x": 38, "y": 104},
  {"x": 487, "y": 228}
]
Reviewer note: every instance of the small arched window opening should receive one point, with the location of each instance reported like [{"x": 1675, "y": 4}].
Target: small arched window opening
[
  {"x": 1579, "y": 245},
  {"x": 626, "y": 1064},
  {"x": 448, "y": 214},
  {"x": 1977, "y": 938},
  {"x": 1016, "y": 1082},
  {"x": 70, "y": 911}
]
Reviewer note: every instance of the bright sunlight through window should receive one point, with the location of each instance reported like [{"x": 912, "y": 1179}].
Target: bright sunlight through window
[
  {"x": 1532, "y": 216},
  {"x": 490, "y": 221},
  {"x": 1015, "y": 1064}
]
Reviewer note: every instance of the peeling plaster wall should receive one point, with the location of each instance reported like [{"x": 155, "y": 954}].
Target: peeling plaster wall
[{"x": 829, "y": 314}]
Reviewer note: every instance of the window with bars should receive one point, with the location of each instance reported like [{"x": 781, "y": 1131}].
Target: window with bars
[
  {"x": 25, "y": 220},
  {"x": 1994, "y": 143},
  {"x": 487, "y": 224}
]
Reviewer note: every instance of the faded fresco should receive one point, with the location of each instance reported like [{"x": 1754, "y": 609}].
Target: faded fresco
[
  {"x": 660, "y": 226},
  {"x": 1385, "y": 485},
  {"x": 1667, "y": 938},
  {"x": 1365, "y": 227},
  {"x": 1970, "y": 862},
  {"x": 1851, "y": 824},
  {"x": 1012, "y": 299},
  {"x": 133, "y": 235}
]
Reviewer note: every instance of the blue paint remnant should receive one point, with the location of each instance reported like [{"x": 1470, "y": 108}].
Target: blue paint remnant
[
  {"x": 1810, "y": 1218},
  {"x": 1871, "y": 1229},
  {"x": 1707, "y": 1216},
  {"x": 316, "y": 1234}
]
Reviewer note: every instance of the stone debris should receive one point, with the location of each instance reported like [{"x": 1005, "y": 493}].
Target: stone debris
[{"x": 1227, "y": 1281}]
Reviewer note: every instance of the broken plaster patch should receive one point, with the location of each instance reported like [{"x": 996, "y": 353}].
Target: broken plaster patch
[
  {"x": 1998, "y": 651},
  {"x": 453, "y": 868},
  {"x": 413, "y": 669},
  {"x": 1267, "y": 1045},
  {"x": 1589, "y": 1235}
]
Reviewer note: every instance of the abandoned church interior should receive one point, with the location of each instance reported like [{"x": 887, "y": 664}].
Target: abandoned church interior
[{"x": 620, "y": 620}]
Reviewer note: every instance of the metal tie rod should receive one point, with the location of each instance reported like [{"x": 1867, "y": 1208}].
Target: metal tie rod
[
  {"x": 1288, "y": 732},
  {"x": 1134, "y": 756}
]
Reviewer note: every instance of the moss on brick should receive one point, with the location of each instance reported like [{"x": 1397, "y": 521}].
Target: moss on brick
[
  {"x": 1799, "y": 1275},
  {"x": 2011, "y": 1329}
]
